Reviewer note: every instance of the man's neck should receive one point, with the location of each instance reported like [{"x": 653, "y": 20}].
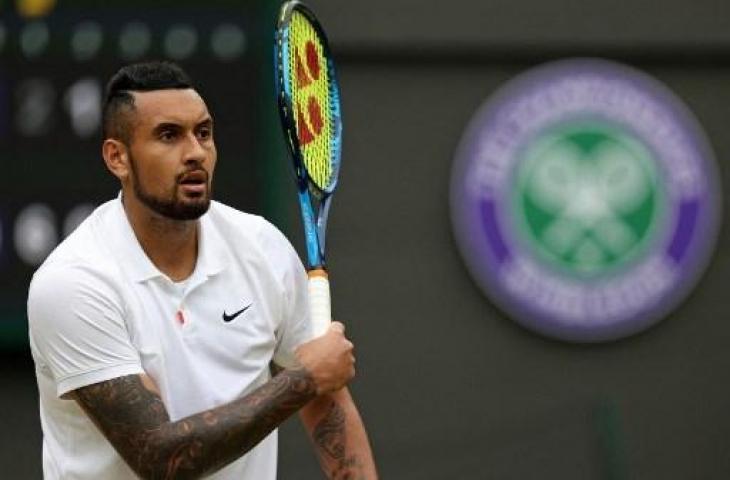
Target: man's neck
[{"x": 171, "y": 245}]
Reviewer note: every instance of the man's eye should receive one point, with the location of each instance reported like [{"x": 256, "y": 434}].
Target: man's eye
[
  {"x": 167, "y": 135},
  {"x": 205, "y": 133}
]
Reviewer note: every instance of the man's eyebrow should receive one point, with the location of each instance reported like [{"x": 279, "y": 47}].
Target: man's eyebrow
[
  {"x": 206, "y": 122},
  {"x": 166, "y": 126}
]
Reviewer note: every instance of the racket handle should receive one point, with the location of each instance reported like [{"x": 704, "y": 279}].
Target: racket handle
[{"x": 319, "y": 300}]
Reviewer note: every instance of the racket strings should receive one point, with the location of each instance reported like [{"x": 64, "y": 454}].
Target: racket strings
[{"x": 311, "y": 90}]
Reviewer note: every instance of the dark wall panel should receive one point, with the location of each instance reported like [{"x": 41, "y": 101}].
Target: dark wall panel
[
  {"x": 646, "y": 23},
  {"x": 449, "y": 386}
]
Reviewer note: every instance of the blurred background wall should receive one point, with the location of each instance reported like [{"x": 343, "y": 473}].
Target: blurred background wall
[{"x": 450, "y": 387}]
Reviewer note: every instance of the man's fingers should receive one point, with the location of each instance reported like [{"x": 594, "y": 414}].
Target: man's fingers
[{"x": 337, "y": 327}]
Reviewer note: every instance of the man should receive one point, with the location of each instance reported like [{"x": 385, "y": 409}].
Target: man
[{"x": 154, "y": 325}]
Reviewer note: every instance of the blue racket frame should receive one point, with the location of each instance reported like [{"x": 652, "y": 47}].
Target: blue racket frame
[{"x": 315, "y": 226}]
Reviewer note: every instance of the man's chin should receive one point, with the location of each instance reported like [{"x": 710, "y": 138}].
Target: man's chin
[
  {"x": 190, "y": 209},
  {"x": 187, "y": 202},
  {"x": 182, "y": 209}
]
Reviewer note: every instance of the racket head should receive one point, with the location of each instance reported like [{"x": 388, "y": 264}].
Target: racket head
[{"x": 309, "y": 98}]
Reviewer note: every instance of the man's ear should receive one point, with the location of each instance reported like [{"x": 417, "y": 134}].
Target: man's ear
[{"x": 116, "y": 157}]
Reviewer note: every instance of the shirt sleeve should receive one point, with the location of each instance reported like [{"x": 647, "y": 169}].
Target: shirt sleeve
[
  {"x": 295, "y": 326},
  {"x": 77, "y": 328}
]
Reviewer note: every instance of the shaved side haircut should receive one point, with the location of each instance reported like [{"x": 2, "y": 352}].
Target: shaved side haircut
[{"x": 139, "y": 77}]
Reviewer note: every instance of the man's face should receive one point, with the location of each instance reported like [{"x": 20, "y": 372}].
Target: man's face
[{"x": 172, "y": 154}]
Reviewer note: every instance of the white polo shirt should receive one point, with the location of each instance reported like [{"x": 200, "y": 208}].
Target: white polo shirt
[{"x": 99, "y": 309}]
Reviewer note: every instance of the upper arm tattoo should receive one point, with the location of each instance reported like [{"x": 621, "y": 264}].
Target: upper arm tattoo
[
  {"x": 122, "y": 403},
  {"x": 128, "y": 414},
  {"x": 134, "y": 420}
]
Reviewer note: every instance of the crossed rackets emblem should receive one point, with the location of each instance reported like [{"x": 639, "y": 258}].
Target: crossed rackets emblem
[{"x": 588, "y": 209}]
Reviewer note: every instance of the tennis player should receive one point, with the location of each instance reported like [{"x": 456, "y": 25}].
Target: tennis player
[{"x": 170, "y": 332}]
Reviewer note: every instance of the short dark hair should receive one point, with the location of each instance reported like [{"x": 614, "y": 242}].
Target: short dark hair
[{"x": 138, "y": 77}]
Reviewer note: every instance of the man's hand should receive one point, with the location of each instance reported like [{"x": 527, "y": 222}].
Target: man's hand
[{"x": 328, "y": 359}]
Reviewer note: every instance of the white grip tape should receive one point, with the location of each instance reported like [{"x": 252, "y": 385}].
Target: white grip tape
[{"x": 319, "y": 304}]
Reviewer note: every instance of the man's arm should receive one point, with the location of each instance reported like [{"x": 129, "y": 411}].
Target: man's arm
[
  {"x": 130, "y": 413},
  {"x": 337, "y": 432},
  {"x": 133, "y": 418}
]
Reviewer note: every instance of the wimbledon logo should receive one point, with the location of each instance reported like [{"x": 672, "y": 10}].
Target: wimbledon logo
[{"x": 585, "y": 200}]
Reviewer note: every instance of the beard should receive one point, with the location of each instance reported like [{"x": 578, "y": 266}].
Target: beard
[{"x": 172, "y": 206}]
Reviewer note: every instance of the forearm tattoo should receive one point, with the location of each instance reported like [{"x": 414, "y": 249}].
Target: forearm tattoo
[
  {"x": 330, "y": 437},
  {"x": 135, "y": 421}
]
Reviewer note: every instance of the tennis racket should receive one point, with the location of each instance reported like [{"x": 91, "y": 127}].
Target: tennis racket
[{"x": 309, "y": 107}]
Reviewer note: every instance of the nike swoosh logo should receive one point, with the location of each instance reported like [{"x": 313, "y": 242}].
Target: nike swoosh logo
[{"x": 227, "y": 318}]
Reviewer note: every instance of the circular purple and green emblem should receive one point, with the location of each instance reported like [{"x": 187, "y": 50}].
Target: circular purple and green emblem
[{"x": 585, "y": 200}]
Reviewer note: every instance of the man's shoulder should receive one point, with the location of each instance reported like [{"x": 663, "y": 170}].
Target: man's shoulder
[
  {"x": 65, "y": 281},
  {"x": 246, "y": 231},
  {"x": 240, "y": 223},
  {"x": 83, "y": 249},
  {"x": 222, "y": 212}
]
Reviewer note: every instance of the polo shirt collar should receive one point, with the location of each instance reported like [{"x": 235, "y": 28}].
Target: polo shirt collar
[{"x": 210, "y": 260}]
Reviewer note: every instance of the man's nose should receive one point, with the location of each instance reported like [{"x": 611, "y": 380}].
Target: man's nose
[{"x": 195, "y": 152}]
